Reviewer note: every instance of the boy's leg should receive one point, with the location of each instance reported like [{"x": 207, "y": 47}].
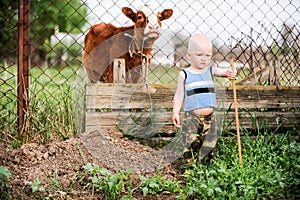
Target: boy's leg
[
  {"x": 189, "y": 134},
  {"x": 194, "y": 130},
  {"x": 210, "y": 140}
]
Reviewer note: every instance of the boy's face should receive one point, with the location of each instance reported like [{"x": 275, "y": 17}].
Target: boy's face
[
  {"x": 200, "y": 53},
  {"x": 200, "y": 59}
]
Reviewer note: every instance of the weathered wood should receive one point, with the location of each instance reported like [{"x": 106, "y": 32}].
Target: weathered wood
[
  {"x": 162, "y": 120},
  {"x": 145, "y": 71},
  {"x": 128, "y": 96},
  {"x": 277, "y": 72},
  {"x": 119, "y": 70},
  {"x": 127, "y": 105},
  {"x": 260, "y": 119},
  {"x": 274, "y": 73},
  {"x": 226, "y": 120},
  {"x": 272, "y": 76}
]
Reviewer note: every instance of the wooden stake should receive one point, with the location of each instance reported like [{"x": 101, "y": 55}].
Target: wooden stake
[
  {"x": 119, "y": 70},
  {"x": 236, "y": 115}
]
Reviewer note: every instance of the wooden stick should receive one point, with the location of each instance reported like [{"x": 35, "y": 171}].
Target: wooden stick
[{"x": 236, "y": 115}]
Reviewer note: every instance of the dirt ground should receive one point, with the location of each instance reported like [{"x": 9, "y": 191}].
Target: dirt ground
[{"x": 66, "y": 159}]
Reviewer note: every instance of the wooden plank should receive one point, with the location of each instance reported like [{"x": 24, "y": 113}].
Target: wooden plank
[
  {"x": 110, "y": 88},
  {"x": 248, "y": 120},
  {"x": 111, "y": 118},
  {"x": 129, "y": 96},
  {"x": 145, "y": 71},
  {"x": 278, "y": 72},
  {"x": 128, "y": 102},
  {"x": 124, "y": 98},
  {"x": 97, "y": 120},
  {"x": 266, "y": 97},
  {"x": 256, "y": 119}
]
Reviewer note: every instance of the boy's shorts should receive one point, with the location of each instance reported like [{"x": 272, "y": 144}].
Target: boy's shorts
[{"x": 199, "y": 135}]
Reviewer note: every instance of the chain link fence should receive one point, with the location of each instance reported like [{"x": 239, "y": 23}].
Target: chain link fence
[{"x": 263, "y": 37}]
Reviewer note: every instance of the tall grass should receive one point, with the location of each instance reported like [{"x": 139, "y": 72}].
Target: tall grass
[
  {"x": 53, "y": 106},
  {"x": 50, "y": 117}
]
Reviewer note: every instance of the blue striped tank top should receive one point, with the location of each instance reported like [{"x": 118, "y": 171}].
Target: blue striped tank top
[{"x": 199, "y": 90}]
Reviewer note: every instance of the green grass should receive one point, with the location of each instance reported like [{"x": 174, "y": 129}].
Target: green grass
[
  {"x": 54, "y": 105},
  {"x": 163, "y": 75}
]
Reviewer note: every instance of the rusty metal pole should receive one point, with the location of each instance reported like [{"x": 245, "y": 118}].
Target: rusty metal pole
[{"x": 23, "y": 62}]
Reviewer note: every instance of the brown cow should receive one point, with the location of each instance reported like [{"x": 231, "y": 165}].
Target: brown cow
[{"x": 104, "y": 42}]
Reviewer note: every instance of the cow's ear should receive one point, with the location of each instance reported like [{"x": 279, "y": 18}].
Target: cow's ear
[
  {"x": 166, "y": 14},
  {"x": 129, "y": 13}
]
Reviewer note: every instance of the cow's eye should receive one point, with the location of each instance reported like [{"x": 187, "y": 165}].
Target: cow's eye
[{"x": 140, "y": 17}]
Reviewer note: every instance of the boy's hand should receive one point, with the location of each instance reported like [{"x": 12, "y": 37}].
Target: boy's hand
[
  {"x": 176, "y": 120},
  {"x": 231, "y": 74}
]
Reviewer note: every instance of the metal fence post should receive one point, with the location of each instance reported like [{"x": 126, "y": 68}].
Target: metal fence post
[{"x": 23, "y": 61}]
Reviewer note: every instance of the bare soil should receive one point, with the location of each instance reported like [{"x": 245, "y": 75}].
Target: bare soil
[{"x": 66, "y": 159}]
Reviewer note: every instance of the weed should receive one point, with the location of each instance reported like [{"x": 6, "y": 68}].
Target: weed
[
  {"x": 15, "y": 144},
  {"x": 101, "y": 180},
  {"x": 157, "y": 184},
  {"x": 35, "y": 186},
  {"x": 5, "y": 187},
  {"x": 55, "y": 182}
]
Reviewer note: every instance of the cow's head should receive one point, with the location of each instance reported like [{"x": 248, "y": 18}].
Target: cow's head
[{"x": 147, "y": 21}]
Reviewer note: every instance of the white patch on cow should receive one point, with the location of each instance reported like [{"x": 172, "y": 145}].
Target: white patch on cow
[{"x": 153, "y": 25}]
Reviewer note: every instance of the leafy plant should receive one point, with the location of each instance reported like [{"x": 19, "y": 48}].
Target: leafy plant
[
  {"x": 5, "y": 188},
  {"x": 54, "y": 181},
  {"x": 113, "y": 183},
  {"x": 15, "y": 144},
  {"x": 35, "y": 186},
  {"x": 92, "y": 170},
  {"x": 102, "y": 180},
  {"x": 157, "y": 184},
  {"x": 4, "y": 173}
]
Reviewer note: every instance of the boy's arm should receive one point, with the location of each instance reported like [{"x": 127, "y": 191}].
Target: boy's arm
[
  {"x": 224, "y": 72},
  {"x": 178, "y": 99}
]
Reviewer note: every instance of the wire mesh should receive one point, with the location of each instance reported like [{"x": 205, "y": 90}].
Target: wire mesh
[{"x": 263, "y": 37}]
